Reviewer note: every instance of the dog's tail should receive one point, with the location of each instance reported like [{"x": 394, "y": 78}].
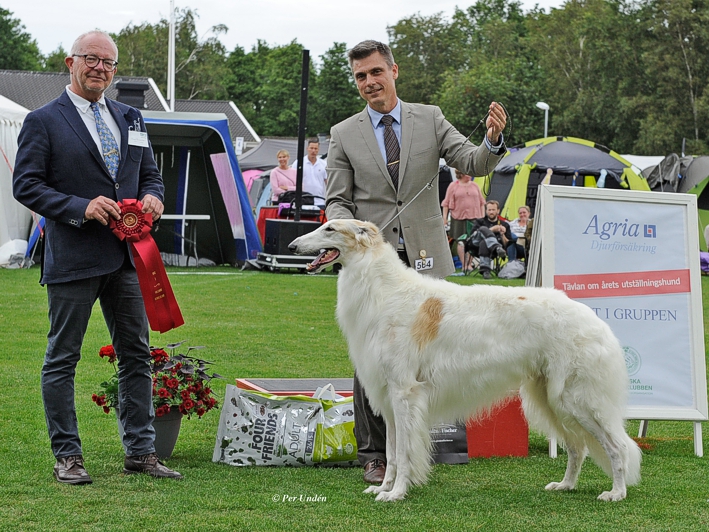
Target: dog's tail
[
  {"x": 631, "y": 456},
  {"x": 632, "y": 467}
]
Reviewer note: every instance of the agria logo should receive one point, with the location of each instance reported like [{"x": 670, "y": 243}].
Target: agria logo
[{"x": 607, "y": 229}]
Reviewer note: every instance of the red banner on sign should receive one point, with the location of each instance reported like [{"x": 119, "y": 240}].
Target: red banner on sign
[
  {"x": 623, "y": 284},
  {"x": 160, "y": 304}
]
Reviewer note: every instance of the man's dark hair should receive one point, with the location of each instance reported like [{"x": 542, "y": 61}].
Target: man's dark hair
[
  {"x": 312, "y": 141},
  {"x": 367, "y": 48},
  {"x": 494, "y": 202}
]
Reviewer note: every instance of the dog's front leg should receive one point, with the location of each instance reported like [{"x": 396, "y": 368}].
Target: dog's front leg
[
  {"x": 407, "y": 423},
  {"x": 390, "y": 475}
]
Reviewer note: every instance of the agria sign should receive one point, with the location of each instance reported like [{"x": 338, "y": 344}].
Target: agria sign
[{"x": 606, "y": 230}]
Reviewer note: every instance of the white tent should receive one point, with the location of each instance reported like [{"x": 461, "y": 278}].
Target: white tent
[{"x": 15, "y": 219}]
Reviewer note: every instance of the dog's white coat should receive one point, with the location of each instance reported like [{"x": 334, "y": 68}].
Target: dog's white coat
[{"x": 428, "y": 351}]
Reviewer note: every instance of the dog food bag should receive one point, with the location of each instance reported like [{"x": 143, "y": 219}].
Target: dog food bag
[{"x": 261, "y": 429}]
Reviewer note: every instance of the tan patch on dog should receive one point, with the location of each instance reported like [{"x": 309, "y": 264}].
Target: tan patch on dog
[
  {"x": 522, "y": 298},
  {"x": 427, "y": 322}
]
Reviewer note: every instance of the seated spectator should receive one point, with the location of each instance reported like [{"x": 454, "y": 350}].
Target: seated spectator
[
  {"x": 282, "y": 176},
  {"x": 518, "y": 226},
  {"x": 489, "y": 236},
  {"x": 465, "y": 203}
]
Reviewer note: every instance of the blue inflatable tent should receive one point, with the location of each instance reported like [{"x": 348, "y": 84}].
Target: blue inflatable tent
[{"x": 207, "y": 210}]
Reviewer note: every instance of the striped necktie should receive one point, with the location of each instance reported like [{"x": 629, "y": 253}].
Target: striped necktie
[
  {"x": 391, "y": 146},
  {"x": 109, "y": 146}
]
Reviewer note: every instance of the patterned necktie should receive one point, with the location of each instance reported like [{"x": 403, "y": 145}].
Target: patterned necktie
[
  {"x": 391, "y": 146},
  {"x": 109, "y": 146}
]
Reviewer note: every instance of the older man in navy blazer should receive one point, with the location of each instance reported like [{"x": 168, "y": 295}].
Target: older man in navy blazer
[{"x": 77, "y": 157}]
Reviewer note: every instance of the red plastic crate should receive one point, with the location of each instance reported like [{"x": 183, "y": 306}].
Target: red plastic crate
[{"x": 504, "y": 432}]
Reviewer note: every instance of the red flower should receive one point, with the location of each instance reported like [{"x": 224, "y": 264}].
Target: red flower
[
  {"x": 185, "y": 394},
  {"x": 106, "y": 409},
  {"x": 159, "y": 356},
  {"x": 188, "y": 404},
  {"x": 164, "y": 393},
  {"x": 173, "y": 383},
  {"x": 108, "y": 351},
  {"x": 201, "y": 412}
]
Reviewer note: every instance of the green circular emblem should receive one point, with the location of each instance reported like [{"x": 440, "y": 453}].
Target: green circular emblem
[{"x": 632, "y": 360}]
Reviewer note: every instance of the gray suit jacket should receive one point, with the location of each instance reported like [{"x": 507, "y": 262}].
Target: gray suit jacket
[{"x": 359, "y": 185}]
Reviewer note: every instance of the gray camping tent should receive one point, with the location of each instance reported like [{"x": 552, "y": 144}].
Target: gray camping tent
[
  {"x": 263, "y": 156},
  {"x": 688, "y": 175}
]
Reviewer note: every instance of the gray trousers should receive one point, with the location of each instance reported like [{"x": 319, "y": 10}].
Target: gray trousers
[{"x": 70, "y": 306}]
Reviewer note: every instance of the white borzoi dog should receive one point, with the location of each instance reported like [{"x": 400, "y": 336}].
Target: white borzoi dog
[{"x": 427, "y": 351}]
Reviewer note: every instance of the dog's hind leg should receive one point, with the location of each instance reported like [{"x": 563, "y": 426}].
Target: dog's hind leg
[
  {"x": 542, "y": 416},
  {"x": 617, "y": 452},
  {"x": 576, "y": 455},
  {"x": 412, "y": 441}
]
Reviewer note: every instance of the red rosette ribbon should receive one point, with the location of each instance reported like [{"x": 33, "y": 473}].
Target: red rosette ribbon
[{"x": 160, "y": 304}]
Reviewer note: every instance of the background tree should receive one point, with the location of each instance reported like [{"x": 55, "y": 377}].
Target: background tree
[
  {"x": 425, "y": 48},
  {"x": 54, "y": 62},
  {"x": 589, "y": 55},
  {"x": 18, "y": 50},
  {"x": 241, "y": 80},
  {"x": 677, "y": 65},
  {"x": 200, "y": 64},
  {"x": 334, "y": 95},
  {"x": 495, "y": 64}
]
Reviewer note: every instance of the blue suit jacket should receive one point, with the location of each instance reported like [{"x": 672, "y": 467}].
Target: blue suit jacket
[{"x": 59, "y": 170}]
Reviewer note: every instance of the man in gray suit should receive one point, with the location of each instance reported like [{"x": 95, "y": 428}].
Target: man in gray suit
[{"x": 378, "y": 161}]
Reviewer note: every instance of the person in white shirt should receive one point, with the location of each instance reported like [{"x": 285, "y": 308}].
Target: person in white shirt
[{"x": 314, "y": 173}]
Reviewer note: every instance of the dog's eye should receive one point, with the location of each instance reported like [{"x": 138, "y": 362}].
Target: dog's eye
[{"x": 329, "y": 228}]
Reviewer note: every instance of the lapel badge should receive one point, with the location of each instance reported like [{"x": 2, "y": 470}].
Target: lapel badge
[{"x": 422, "y": 254}]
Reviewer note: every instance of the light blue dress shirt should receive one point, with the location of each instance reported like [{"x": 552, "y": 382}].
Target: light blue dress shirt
[{"x": 376, "y": 119}]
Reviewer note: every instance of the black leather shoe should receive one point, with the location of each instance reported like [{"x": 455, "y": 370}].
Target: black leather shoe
[
  {"x": 486, "y": 274},
  {"x": 501, "y": 253},
  {"x": 150, "y": 465},
  {"x": 70, "y": 470},
  {"x": 374, "y": 471}
]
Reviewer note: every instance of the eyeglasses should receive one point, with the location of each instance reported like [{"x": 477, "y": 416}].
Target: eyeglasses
[{"x": 92, "y": 62}]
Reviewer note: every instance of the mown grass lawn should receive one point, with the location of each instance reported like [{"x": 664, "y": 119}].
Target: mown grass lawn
[{"x": 258, "y": 324}]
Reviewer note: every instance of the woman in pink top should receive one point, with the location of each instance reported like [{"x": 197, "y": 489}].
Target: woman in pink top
[
  {"x": 282, "y": 176},
  {"x": 464, "y": 202}
]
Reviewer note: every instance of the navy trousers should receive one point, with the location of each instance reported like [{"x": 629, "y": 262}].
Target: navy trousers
[{"x": 70, "y": 306}]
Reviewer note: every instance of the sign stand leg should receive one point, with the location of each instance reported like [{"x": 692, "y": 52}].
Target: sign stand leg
[
  {"x": 642, "y": 430},
  {"x": 698, "y": 444}
]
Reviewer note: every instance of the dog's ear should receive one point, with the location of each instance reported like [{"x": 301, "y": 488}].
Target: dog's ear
[{"x": 366, "y": 233}]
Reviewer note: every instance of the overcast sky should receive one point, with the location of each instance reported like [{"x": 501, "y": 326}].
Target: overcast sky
[{"x": 315, "y": 24}]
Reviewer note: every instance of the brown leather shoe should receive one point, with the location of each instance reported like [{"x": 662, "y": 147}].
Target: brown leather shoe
[
  {"x": 374, "y": 471},
  {"x": 150, "y": 465},
  {"x": 70, "y": 470}
]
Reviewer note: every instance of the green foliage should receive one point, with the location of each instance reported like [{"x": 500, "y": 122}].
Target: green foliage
[
  {"x": 18, "y": 50},
  {"x": 54, "y": 62},
  {"x": 200, "y": 65},
  {"x": 334, "y": 96},
  {"x": 675, "y": 61},
  {"x": 629, "y": 74},
  {"x": 425, "y": 48}
]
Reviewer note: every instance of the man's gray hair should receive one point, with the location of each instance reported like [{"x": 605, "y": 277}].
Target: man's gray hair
[
  {"x": 76, "y": 47},
  {"x": 367, "y": 48}
]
